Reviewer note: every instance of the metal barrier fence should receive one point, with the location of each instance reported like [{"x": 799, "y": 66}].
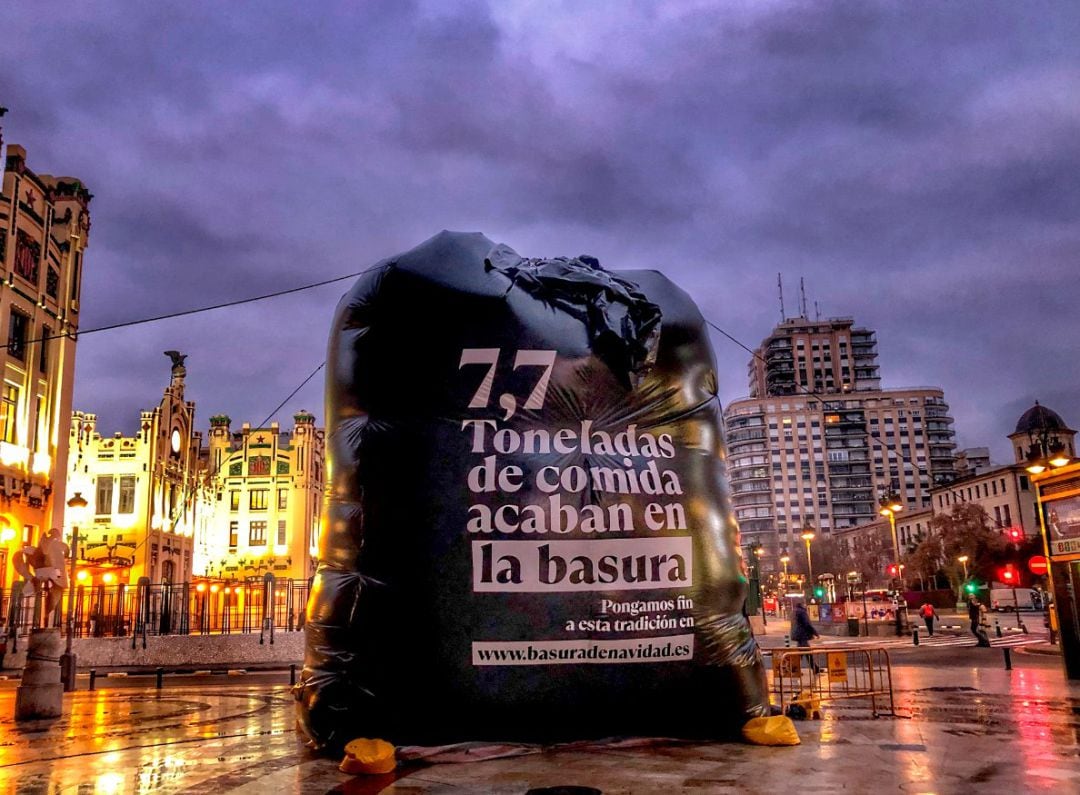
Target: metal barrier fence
[
  {"x": 809, "y": 678},
  {"x": 260, "y": 605}
]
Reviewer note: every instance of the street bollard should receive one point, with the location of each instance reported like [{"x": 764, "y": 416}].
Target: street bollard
[
  {"x": 997, "y": 627},
  {"x": 292, "y": 674},
  {"x": 1008, "y": 658},
  {"x": 915, "y": 635},
  {"x": 93, "y": 678},
  {"x": 160, "y": 676}
]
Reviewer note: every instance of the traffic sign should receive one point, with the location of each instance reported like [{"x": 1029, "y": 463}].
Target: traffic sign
[{"x": 1037, "y": 564}]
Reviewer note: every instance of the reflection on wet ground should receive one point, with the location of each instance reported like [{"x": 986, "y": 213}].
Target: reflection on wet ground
[{"x": 960, "y": 729}]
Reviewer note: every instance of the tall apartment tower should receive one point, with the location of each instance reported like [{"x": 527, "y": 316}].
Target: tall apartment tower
[
  {"x": 818, "y": 442},
  {"x": 44, "y": 228},
  {"x": 815, "y": 356}
]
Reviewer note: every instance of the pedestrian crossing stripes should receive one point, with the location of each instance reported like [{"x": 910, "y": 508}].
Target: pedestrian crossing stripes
[{"x": 925, "y": 641}]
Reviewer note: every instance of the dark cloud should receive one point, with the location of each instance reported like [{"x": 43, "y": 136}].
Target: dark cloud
[{"x": 916, "y": 162}]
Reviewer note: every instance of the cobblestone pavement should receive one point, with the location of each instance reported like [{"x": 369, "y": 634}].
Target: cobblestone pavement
[{"x": 962, "y": 729}]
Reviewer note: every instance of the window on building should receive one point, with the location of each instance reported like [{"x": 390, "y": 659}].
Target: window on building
[
  {"x": 43, "y": 349},
  {"x": 126, "y": 502},
  {"x": 281, "y": 532},
  {"x": 234, "y": 532},
  {"x": 103, "y": 503},
  {"x": 17, "y": 328},
  {"x": 257, "y": 499},
  {"x": 234, "y": 501},
  {"x": 282, "y": 499},
  {"x": 1008, "y": 515},
  {"x": 52, "y": 282},
  {"x": 9, "y": 406},
  {"x": 257, "y": 533}
]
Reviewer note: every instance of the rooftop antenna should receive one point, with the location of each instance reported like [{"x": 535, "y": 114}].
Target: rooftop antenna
[
  {"x": 802, "y": 294},
  {"x": 817, "y": 312},
  {"x": 780, "y": 287}
]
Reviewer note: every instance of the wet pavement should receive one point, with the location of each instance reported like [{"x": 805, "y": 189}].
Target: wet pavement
[{"x": 962, "y": 729}]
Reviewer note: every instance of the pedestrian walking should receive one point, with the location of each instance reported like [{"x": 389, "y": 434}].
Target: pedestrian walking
[
  {"x": 929, "y": 615},
  {"x": 976, "y": 614},
  {"x": 802, "y": 631}
]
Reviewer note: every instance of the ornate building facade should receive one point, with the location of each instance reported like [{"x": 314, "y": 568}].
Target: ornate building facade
[
  {"x": 44, "y": 227},
  {"x": 270, "y": 490},
  {"x": 164, "y": 506},
  {"x": 148, "y": 494}
]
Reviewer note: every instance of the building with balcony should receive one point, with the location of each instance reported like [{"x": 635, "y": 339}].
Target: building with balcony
[
  {"x": 1005, "y": 492},
  {"x": 270, "y": 485},
  {"x": 44, "y": 229},
  {"x": 819, "y": 441},
  {"x": 148, "y": 494},
  {"x": 164, "y": 506},
  {"x": 804, "y": 355}
]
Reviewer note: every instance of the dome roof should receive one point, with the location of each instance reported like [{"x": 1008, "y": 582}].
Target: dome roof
[{"x": 1040, "y": 418}]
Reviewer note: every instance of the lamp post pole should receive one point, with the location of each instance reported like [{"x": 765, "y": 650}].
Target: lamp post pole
[
  {"x": 67, "y": 659},
  {"x": 808, "y": 536},
  {"x": 890, "y": 505}
]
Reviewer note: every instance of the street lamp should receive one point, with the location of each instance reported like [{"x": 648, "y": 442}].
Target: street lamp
[
  {"x": 808, "y": 536},
  {"x": 785, "y": 559},
  {"x": 67, "y": 659},
  {"x": 890, "y": 506},
  {"x": 963, "y": 559}
]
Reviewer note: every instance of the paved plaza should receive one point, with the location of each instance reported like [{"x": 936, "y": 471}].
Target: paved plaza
[{"x": 965, "y": 726}]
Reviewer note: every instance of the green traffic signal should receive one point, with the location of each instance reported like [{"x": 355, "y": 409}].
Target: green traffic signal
[
  {"x": 970, "y": 587},
  {"x": 819, "y": 592}
]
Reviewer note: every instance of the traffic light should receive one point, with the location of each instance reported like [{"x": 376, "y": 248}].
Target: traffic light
[
  {"x": 819, "y": 592},
  {"x": 970, "y": 587},
  {"x": 1016, "y": 534},
  {"x": 1008, "y": 575},
  {"x": 893, "y": 570}
]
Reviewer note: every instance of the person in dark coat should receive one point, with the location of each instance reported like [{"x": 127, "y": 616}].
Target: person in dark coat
[
  {"x": 802, "y": 631},
  {"x": 975, "y": 612}
]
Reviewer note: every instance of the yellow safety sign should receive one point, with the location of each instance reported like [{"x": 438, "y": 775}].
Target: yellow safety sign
[{"x": 837, "y": 661}]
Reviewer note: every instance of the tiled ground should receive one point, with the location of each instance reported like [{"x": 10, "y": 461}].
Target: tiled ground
[{"x": 965, "y": 729}]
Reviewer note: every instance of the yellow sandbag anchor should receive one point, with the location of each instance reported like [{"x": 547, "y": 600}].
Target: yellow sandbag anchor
[
  {"x": 776, "y": 730},
  {"x": 810, "y": 703},
  {"x": 368, "y": 757}
]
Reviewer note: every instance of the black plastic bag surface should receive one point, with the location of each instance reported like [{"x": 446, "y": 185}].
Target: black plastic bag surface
[{"x": 528, "y": 535}]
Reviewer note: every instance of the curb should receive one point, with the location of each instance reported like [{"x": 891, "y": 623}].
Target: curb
[{"x": 1041, "y": 648}]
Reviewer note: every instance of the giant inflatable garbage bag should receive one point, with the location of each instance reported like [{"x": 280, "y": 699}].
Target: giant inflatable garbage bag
[
  {"x": 528, "y": 535},
  {"x": 774, "y": 730}
]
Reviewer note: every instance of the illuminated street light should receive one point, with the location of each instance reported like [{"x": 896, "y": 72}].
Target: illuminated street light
[
  {"x": 890, "y": 506},
  {"x": 67, "y": 659},
  {"x": 963, "y": 559},
  {"x": 808, "y": 536}
]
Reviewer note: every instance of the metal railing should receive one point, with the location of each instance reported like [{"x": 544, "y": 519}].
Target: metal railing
[
  {"x": 259, "y": 605},
  {"x": 809, "y": 678}
]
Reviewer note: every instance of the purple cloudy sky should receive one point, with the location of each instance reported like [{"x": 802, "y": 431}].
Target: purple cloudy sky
[{"x": 917, "y": 162}]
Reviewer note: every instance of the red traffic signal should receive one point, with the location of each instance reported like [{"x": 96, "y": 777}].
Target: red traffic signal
[
  {"x": 1009, "y": 576},
  {"x": 1016, "y": 534}
]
